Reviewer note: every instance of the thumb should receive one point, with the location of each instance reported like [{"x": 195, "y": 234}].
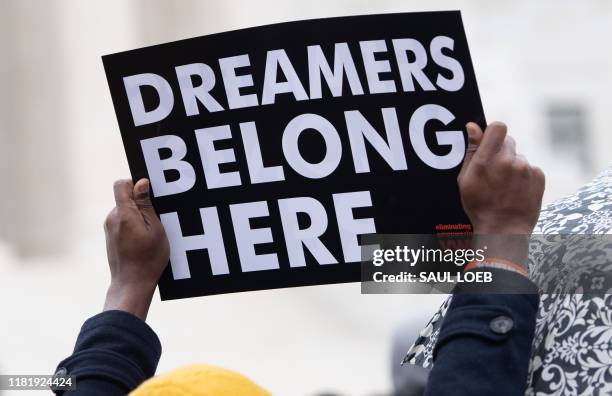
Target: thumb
[
  {"x": 143, "y": 199},
  {"x": 474, "y": 138}
]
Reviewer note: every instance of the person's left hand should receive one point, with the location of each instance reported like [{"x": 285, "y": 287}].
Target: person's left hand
[{"x": 137, "y": 249}]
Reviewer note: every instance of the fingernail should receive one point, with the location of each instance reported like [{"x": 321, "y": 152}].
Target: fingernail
[
  {"x": 143, "y": 189},
  {"x": 145, "y": 186}
]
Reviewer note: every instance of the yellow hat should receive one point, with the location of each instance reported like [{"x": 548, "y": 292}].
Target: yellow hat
[{"x": 200, "y": 380}]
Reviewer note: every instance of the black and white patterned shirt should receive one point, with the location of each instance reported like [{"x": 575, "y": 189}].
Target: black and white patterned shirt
[{"x": 571, "y": 262}]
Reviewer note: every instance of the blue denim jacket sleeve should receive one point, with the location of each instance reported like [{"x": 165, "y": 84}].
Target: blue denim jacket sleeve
[
  {"x": 114, "y": 353},
  {"x": 485, "y": 341}
]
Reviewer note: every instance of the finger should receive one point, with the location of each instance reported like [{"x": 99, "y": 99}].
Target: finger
[
  {"x": 124, "y": 192},
  {"x": 509, "y": 147},
  {"x": 520, "y": 166},
  {"x": 474, "y": 137},
  {"x": 540, "y": 178},
  {"x": 492, "y": 141},
  {"x": 142, "y": 198}
]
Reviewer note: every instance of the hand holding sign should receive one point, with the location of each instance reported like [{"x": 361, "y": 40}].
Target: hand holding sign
[
  {"x": 137, "y": 248},
  {"x": 500, "y": 191}
]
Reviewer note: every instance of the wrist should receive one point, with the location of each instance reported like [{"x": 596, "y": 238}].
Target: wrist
[
  {"x": 496, "y": 262},
  {"x": 514, "y": 248},
  {"x": 505, "y": 229},
  {"x": 131, "y": 298}
]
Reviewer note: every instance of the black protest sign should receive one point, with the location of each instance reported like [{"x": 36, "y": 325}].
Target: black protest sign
[{"x": 271, "y": 150}]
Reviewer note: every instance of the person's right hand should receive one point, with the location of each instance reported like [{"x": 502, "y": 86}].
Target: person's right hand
[{"x": 500, "y": 191}]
